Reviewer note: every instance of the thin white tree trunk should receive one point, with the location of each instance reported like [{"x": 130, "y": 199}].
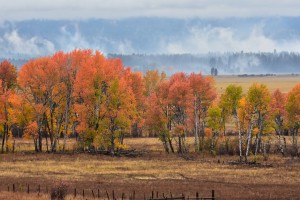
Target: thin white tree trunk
[
  {"x": 196, "y": 126},
  {"x": 240, "y": 136},
  {"x": 249, "y": 138}
]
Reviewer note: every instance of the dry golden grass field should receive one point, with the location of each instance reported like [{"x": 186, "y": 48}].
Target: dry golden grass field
[
  {"x": 277, "y": 178},
  {"x": 282, "y": 82}
]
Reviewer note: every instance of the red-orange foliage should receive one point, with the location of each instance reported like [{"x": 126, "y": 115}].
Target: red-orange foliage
[
  {"x": 97, "y": 97},
  {"x": 8, "y": 80}
]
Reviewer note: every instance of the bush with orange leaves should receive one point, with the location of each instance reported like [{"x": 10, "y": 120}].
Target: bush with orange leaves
[{"x": 31, "y": 131}]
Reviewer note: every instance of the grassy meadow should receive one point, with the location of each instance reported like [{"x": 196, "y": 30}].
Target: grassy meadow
[
  {"x": 282, "y": 82},
  {"x": 154, "y": 170}
]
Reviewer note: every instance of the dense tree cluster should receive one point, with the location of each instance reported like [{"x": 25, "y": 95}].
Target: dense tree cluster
[{"x": 96, "y": 98}]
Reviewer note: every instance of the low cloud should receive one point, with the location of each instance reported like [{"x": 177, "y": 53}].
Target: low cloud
[
  {"x": 220, "y": 39},
  {"x": 193, "y": 39},
  {"x": 12, "y": 44},
  {"x": 71, "y": 37}
]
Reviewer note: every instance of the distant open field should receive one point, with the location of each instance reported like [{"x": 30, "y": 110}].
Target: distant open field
[
  {"x": 277, "y": 178},
  {"x": 283, "y": 82}
]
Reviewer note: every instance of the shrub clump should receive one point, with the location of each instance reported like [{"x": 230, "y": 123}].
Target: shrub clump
[{"x": 59, "y": 191}]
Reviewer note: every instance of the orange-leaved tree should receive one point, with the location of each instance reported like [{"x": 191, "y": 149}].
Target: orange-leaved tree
[
  {"x": 8, "y": 83},
  {"x": 105, "y": 104},
  {"x": 259, "y": 98},
  {"x": 279, "y": 114},
  {"x": 231, "y": 98},
  {"x": 180, "y": 105},
  {"x": 293, "y": 109},
  {"x": 204, "y": 94}
]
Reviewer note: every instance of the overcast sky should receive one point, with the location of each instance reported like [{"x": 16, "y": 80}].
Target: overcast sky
[{"x": 117, "y": 9}]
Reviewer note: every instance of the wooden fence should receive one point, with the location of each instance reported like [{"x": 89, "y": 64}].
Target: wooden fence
[{"x": 105, "y": 195}]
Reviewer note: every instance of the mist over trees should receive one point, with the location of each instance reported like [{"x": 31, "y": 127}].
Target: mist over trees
[
  {"x": 225, "y": 63},
  {"x": 210, "y": 64}
]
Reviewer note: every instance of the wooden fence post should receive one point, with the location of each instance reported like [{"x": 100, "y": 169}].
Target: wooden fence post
[
  {"x": 213, "y": 194},
  {"x": 93, "y": 194},
  {"x": 14, "y": 187},
  {"x": 28, "y": 188},
  {"x": 98, "y": 193},
  {"x": 107, "y": 194},
  {"x": 197, "y": 195},
  {"x": 75, "y": 193},
  {"x": 83, "y": 193}
]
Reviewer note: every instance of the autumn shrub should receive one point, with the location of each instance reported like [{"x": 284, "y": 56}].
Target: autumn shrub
[
  {"x": 59, "y": 191},
  {"x": 78, "y": 146},
  {"x": 232, "y": 146},
  {"x": 88, "y": 138},
  {"x": 209, "y": 147},
  {"x": 293, "y": 151},
  {"x": 223, "y": 147}
]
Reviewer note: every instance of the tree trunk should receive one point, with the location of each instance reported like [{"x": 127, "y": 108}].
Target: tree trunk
[
  {"x": 224, "y": 127},
  {"x": 171, "y": 145},
  {"x": 196, "y": 115},
  {"x": 121, "y": 137},
  {"x": 3, "y": 139},
  {"x": 47, "y": 145},
  {"x": 184, "y": 143},
  {"x": 165, "y": 144},
  {"x": 179, "y": 145},
  {"x": 112, "y": 141},
  {"x": 7, "y": 136},
  {"x": 35, "y": 145},
  {"x": 66, "y": 131},
  {"x": 52, "y": 137},
  {"x": 249, "y": 140},
  {"x": 240, "y": 136},
  {"x": 279, "y": 142},
  {"x": 212, "y": 142},
  {"x": 202, "y": 134},
  {"x": 264, "y": 151},
  {"x": 40, "y": 141},
  {"x": 55, "y": 142},
  {"x": 54, "y": 147},
  {"x": 258, "y": 142},
  {"x": 284, "y": 141},
  {"x": 296, "y": 141}
]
